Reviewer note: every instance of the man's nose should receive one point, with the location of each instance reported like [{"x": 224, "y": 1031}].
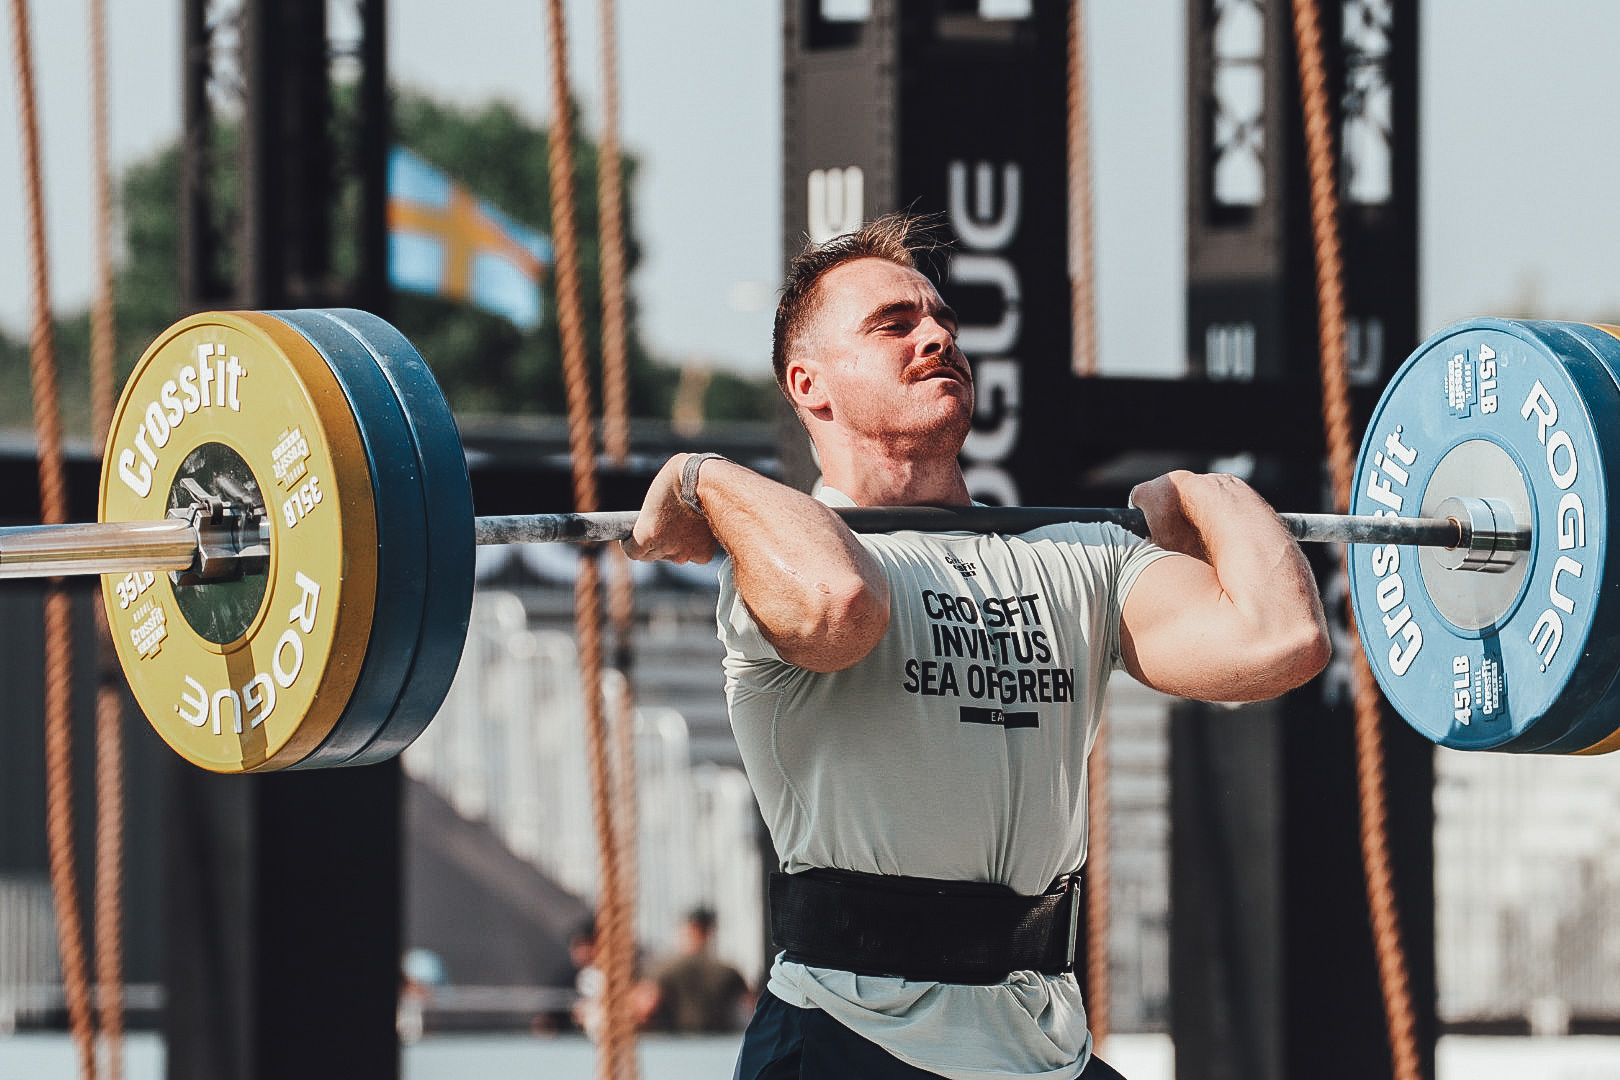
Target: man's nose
[{"x": 934, "y": 337}]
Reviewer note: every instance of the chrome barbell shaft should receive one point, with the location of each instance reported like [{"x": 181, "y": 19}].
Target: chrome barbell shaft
[
  {"x": 121, "y": 547},
  {"x": 597, "y": 527},
  {"x": 102, "y": 547},
  {"x": 1314, "y": 528}
]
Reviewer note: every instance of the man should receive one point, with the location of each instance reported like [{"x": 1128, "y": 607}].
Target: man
[
  {"x": 694, "y": 992},
  {"x": 915, "y": 709}
]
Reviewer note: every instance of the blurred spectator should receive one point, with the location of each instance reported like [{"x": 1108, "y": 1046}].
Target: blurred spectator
[
  {"x": 571, "y": 977},
  {"x": 420, "y": 971},
  {"x": 589, "y": 981},
  {"x": 694, "y": 991}
]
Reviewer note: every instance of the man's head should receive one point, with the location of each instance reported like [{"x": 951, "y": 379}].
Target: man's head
[
  {"x": 866, "y": 350},
  {"x": 894, "y": 238},
  {"x": 582, "y": 943},
  {"x": 698, "y": 930}
]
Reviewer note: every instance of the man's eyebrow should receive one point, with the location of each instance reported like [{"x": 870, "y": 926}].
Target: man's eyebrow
[{"x": 944, "y": 313}]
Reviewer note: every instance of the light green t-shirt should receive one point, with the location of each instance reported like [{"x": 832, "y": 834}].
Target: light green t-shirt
[{"x": 956, "y": 749}]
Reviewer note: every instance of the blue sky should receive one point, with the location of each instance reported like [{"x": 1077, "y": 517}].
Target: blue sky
[{"x": 1519, "y": 166}]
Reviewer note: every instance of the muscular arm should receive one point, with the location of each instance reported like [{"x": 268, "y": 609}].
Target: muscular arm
[
  {"x": 817, "y": 595},
  {"x": 1235, "y": 616}
]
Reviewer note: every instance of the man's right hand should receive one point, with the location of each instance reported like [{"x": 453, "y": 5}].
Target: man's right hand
[{"x": 666, "y": 528}]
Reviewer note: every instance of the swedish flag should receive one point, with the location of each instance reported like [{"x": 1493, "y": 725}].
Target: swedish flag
[{"x": 444, "y": 241}]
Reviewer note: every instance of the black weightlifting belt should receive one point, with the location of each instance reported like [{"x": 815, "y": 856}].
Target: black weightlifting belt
[{"x": 922, "y": 929}]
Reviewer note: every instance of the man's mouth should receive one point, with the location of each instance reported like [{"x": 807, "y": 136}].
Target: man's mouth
[{"x": 928, "y": 369}]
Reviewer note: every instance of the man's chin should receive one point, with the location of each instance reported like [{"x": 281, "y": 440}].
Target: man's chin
[{"x": 953, "y": 430}]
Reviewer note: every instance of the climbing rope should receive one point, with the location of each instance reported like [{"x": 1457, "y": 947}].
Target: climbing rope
[
  {"x": 610, "y": 233},
  {"x": 1392, "y": 970},
  {"x": 108, "y": 917},
  {"x": 58, "y": 607},
  {"x": 103, "y": 388},
  {"x": 1082, "y": 246},
  {"x": 1083, "y": 361},
  {"x": 616, "y": 441},
  {"x": 109, "y": 908},
  {"x": 615, "y": 945}
]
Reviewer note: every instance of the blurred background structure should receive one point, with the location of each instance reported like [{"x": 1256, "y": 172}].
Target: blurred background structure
[{"x": 1480, "y": 161}]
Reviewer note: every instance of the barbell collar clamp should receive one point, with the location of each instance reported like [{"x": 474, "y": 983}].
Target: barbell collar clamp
[
  {"x": 1488, "y": 531},
  {"x": 232, "y": 539}
]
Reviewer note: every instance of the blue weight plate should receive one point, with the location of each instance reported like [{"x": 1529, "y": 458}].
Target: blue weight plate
[
  {"x": 402, "y": 517},
  {"x": 1514, "y": 411},
  {"x": 450, "y": 548},
  {"x": 1598, "y": 731}
]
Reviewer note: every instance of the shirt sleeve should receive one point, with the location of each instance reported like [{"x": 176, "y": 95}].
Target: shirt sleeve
[
  {"x": 1114, "y": 558},
  {"x": 1139, "y": 554}
]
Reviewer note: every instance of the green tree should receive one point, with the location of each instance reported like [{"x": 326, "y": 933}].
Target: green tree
[
  {"x": 739, "y": 397},
  {"x": 146, "y": 293},
  {"x": 484, "y": 363}
]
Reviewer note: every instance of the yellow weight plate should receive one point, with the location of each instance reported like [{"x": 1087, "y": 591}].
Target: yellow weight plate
[{"x": 234, "y": 683}]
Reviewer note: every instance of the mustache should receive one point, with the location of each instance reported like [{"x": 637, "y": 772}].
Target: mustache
[{"x": 922, "y": 369}]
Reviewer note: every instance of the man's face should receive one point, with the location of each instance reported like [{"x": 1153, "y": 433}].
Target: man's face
[
  {"x": 695, "y": 936},
  {"x": 880, "y": 359}
]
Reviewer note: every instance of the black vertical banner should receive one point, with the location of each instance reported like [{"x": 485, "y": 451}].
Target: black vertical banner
[
  {"x": 1276, "y": 827},
  {"x": 282, "y": 945},
  {"x": 1251, "y": 286},
  {"x": 927, "y": 106},
  {"x": 983, "y": 141}
]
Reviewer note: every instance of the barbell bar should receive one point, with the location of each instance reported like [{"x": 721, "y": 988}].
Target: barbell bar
[
  {"x": 287, "y": 538},
  {"x": 104, "y": 547},
  {"x": 176, "y": 545},
  {"x": 1445, "y": 532}
]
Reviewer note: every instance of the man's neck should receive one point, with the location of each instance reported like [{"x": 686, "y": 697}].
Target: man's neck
[{"x": 881, "y": 481}]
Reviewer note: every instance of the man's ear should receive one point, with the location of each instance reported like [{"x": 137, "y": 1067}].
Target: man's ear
[{"x": 804, "y": 387}]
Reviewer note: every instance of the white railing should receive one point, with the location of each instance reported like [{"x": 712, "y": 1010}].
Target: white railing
[
  {"x": 29, "y": 968},
  {"x": 1527, "y": 877},
  {"x": 508, "y": 748}
]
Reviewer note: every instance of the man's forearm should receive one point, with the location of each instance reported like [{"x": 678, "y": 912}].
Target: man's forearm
[
  {"x": 1245, "y": 621},
  {"x": 1268, "y": 582},
  {"x": 816, "y": 593}
]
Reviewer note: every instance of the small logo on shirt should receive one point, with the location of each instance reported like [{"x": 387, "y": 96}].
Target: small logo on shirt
[
  {"x": 966, "y": 569},
  {"x": 971, "y": 714}
]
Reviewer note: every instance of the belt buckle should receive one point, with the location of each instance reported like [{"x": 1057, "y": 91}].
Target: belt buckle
[{"x": 1073, "y": 906}]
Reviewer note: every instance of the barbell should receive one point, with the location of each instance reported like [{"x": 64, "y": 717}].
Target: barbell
[{"x": 286, "y": 538}]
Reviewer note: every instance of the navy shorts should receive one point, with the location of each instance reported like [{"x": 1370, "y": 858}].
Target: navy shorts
[{"x": 784, "y": 1042}]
